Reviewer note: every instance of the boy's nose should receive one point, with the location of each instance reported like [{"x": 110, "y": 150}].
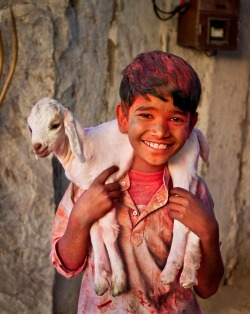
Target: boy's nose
[{"x": 160, "y": 129}]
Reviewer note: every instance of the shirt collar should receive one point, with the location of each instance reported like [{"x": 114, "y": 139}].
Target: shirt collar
[{"x": 125, "y": 180}]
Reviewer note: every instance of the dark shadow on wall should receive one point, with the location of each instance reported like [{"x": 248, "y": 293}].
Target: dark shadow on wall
[
  {"x": 65, "y": 291},
  {"x": 60, "y": 182},
  {"x": 65, "y": 294}
]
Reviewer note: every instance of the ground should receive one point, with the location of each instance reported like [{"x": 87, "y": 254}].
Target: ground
[{"x": 233, "y": 299}]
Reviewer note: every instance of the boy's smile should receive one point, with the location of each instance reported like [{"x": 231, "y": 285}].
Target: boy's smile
[{"x": 156, "y": 129}]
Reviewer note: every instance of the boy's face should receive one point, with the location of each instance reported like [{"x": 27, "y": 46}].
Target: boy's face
[{"x": 157, "y": 130}]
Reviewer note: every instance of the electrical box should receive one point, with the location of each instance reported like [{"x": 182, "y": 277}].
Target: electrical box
[{"x": 209, "y": 25}]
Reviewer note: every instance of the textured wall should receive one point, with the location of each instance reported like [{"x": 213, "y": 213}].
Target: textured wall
[
  {"x": 228, "y": 174},
  {"x": 75, "y": 51},
  {"x": 26, "y": 187}
]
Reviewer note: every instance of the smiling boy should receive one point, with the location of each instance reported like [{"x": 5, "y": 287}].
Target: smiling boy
[
  {"x": 159, "y": 96},
  {"x": 157, "y": 130}
]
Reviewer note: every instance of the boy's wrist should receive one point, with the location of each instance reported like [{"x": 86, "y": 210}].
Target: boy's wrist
[
  {"x": 212, "y": 234},
  {"x": 79, "y": 220}
]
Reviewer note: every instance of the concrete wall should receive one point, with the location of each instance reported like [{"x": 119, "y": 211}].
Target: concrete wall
[{"x": 75, "y": 51}]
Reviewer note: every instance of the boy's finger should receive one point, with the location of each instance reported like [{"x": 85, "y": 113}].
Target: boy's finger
[
  {"x": 105, "y": 174},
  {"x": 179, "y": 192},
  {"x": 115, "y": 195},
  {"x": 115, "y": 186},
  {"x": 179, "y": 200},
  {"x": 175, "y": 215},
  {"x": 175, "y": 199}
]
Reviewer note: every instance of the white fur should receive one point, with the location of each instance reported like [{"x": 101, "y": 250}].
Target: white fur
[
  {"x": 185, "y": 247},
  {"x": 84, "y": 154}
]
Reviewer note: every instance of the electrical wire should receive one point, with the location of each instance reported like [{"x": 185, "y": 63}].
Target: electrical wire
[{"x": 179, "y": 8}]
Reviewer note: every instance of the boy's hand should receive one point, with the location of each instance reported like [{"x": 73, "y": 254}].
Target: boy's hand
[
  {"x": 99, "y": 199},
  {"x": 92, "y": 205},
  {"x": 189, "y": 210}
]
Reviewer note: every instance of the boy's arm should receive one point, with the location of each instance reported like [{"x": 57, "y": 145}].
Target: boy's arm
[
  {"x": 92, "y": 205},
  {"x": 211, "y": 270},
  {"x": 198, "y": 216}
]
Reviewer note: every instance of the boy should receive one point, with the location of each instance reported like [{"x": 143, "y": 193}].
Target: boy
[{"x": 159, "y": 97}]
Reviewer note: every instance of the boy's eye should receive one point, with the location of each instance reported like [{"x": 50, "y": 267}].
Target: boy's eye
[
  {"x": 176, "y": 119},
  {"x": 145, "y": 115}
]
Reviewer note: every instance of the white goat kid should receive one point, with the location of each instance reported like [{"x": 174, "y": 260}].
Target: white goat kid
[{"x": 84, "y": 154}]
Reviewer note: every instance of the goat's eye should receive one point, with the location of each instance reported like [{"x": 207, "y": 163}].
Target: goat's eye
[
  {"x": 55, "y": 126},
  {"x": 30, "y": 129}
]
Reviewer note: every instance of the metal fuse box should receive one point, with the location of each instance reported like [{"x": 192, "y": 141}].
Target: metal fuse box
[{"x": 209, "y": 25}]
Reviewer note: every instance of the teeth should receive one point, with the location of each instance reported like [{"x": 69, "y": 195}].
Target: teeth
[{"x": 155, "y": 145}]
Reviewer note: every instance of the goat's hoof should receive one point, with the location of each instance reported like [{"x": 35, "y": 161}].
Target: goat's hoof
[
  {"x": 170, "y": 272},
  {"x": 118, "y": 285},
  {"x": 168, "y": 277},
  {"x": 167, "y": 281},
  {"x": 187, "y": 285},
  {"x": 117, "y": 290},
  {"x": 101, "y": 287},
  {"x": 188, "y": 277}
]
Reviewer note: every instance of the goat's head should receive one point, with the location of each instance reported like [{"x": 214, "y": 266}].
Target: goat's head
[{"x": 51, "y": 127}]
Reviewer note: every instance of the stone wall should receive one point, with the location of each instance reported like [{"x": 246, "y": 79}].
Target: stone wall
[{"x": 75, "y": 51}]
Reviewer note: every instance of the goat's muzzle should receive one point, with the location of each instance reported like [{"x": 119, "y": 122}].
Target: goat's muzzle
[{"x": 41, "y": 150}]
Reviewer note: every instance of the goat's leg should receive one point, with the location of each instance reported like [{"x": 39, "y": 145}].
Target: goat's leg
[
  {"x": 101, "y": 261},
  {"x": 176, "y": 254},
  {"x": 110, "y": 230},
  {"x": 192, "y": 260},
  {"x": 192, "y": 256}
]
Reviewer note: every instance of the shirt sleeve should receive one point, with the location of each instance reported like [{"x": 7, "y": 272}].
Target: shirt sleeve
[{"x": 59, "y": 226}]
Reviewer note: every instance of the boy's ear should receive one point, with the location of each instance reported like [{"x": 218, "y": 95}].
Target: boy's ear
[
  {"x": 122, "y": 119},
  {"x": 193, "y": 121}
]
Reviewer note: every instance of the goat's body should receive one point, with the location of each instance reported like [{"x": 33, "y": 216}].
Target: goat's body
[
  {"x": 104, "y": 146},
  {"x": 99, "y": 155},
  {"x": 84, "y": 154}
]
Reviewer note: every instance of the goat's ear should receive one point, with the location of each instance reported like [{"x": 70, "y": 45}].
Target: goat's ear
[
  {"x": 204, "y": 148},
  {"x": 75, "y": 134}
]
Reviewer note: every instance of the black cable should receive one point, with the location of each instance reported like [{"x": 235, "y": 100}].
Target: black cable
[
  {"x": 157, "y": 10},
  {"x": 160, "y": 10},
  {"x": 171, "y": 14}
]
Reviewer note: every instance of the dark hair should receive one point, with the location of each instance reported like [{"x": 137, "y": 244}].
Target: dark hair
[{"x": 160, "y": 73}]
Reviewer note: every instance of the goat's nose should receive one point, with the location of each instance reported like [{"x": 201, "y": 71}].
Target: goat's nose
[{"x": 37, "y": 146}]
